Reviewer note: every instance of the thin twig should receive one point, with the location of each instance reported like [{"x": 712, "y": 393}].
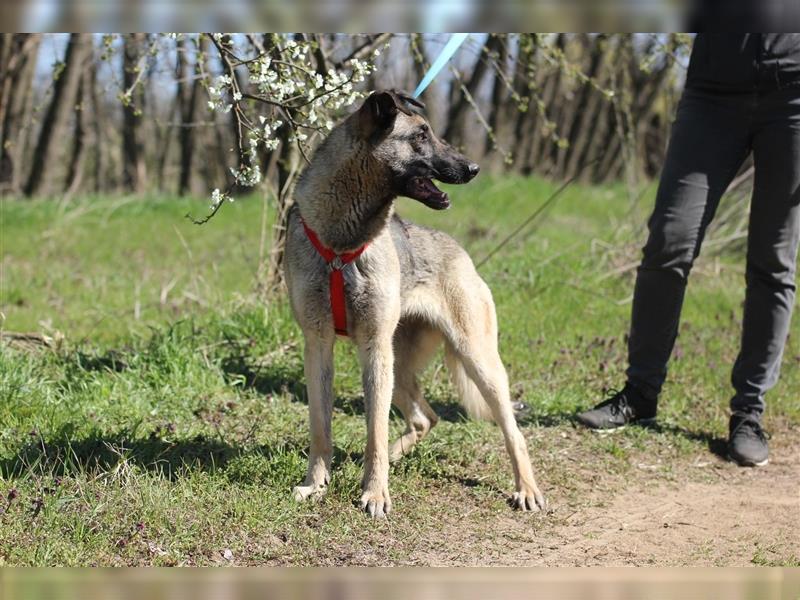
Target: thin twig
[
  {"x": 237, "y": 110},
  {"x": 213, "y": 212},
  {"x": 364, "y": 49},
  {"x": 140, "y": 68}
]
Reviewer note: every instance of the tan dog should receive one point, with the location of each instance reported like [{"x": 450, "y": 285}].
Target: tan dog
[{"x": 410, "y": 290}]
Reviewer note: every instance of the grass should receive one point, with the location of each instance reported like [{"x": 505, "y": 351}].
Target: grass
[{"x": 170, "y": 424}]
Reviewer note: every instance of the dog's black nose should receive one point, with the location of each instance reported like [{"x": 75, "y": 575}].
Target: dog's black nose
[{"x": 473, "y": 170}]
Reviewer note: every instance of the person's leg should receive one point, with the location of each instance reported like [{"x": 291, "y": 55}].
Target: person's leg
[
  {"x": 710, "y": 140},
  {"x": 771, "y": 253}
]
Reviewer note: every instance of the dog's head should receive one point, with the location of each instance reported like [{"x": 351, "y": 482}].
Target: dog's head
[{"x": 402, "y": 141}]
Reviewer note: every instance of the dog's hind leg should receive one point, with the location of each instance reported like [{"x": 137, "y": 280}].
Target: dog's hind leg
[
  {"x": 414, "y": 345},
  {"x": 319, "y": 383},
  {"x": 472, "y": 341},
  {"x": 419, "y": 416}
]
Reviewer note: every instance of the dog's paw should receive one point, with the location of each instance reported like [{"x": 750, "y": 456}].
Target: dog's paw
[
  {"x": 528, "y": 498},
  {"x": 303, "y": 492},
  {"x": 375, "y": 501}
]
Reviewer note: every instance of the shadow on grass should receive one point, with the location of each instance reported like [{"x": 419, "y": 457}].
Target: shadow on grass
[
  {"x": 264, "y": 379},
  {"x": 59, "y": 456},
  {"x": 111, "y": 360},
  {"x": 715, "y": 444},
  {"x": 526, "y": 416},
  {"x": 276, "y": 378}
]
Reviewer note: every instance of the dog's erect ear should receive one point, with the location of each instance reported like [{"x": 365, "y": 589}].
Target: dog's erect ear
[
  {"x": 410, "y": 100},
  {"x": 378, "y": 112}
]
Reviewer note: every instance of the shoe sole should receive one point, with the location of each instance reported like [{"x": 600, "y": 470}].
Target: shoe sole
[
  {"x": 748, "y": 463},
  {"x": 640, "y": 422}
]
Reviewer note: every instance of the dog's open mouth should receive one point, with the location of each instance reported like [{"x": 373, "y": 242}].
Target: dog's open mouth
[{"x": 424, "y": 190}]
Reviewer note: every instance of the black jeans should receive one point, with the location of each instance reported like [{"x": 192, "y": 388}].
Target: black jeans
[{"x": 712, "y": 135}]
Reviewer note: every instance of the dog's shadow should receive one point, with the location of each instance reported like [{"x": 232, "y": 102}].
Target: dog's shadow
[
  {"x": 61, "y": 453},
  {"x": 273, "y": 378},
  {"x": 64, "y": 454}
]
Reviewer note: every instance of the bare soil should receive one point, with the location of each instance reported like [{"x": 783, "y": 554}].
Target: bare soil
[{"x": 710, "y": 512}]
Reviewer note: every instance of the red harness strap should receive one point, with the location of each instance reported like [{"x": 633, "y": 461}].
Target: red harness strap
[{"x": 336, "y": 264}]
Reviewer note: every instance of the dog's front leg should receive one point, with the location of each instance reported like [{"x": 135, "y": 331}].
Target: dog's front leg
[
  {"x": 377, "y": 367},
  {"x": 319, "y": 383}
]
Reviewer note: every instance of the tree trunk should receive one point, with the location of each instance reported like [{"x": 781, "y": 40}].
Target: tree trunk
[
  {"x": 540, "y": 156},
  {"x": 431, "y": 97},
  {"x": 7, "y": 47},
  {"x": 18, "y": 68},
  {"x": 14, "y": 51},
  {"x": 499, "y": 88},
  {"x": 454, "y": 132},
  {"x": 53, "y": 131},
  {"x": 519, "y": 105},
  {"x": 134, "y": 170},
  {"x": 75, "y": 172},
  {"x": 164, "y": 135},
  {"x": 590, "y": 98},
  {"x": 98, "y": 122},
  {"x": 538, "y": 140},
  {"x": 190, "y": 104},
  {"x": 287, "y": 173}
]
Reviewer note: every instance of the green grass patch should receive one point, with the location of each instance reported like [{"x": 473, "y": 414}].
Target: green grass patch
[{"x": 171, "y": 422}]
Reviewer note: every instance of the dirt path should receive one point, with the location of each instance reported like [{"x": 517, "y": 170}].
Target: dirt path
[{"x": 713, "y": 513}]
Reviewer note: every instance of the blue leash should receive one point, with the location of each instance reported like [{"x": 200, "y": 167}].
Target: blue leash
[{"x": 447, "y": 53}]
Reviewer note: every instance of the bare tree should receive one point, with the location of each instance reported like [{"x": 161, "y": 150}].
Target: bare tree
[
  {"x": 456, "y": 123},
  {"x": 537, "y": 104},
  {"x": 58, "y": 113},
  {"x": 191, "y": 96},
  {"x": 75, "y": 172},
  {"x": 17, "y": 64},
  {"x": 499, "y": 92},
  {"x": 134, "y": 170},
  {"x": 98, "y": 128},
  {"x": 536, "y": 156}
]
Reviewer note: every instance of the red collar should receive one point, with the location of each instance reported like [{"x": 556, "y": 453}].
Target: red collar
[{"x": 336, "y": 264}]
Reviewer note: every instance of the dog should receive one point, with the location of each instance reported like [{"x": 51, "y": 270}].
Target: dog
[{"x": 402, "y": 291}]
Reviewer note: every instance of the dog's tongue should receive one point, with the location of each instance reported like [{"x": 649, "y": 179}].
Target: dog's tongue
[
  {"x": 424, "y": 190},
  {"x": 429, "y": 187}
]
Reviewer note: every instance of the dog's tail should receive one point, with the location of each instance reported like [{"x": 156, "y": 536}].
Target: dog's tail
[{"x": 468, "y": 393}]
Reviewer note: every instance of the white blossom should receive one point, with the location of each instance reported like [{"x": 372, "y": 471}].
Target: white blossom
[
  {"x": 217, "y": 198},
  {"x": 287, "y": 79}
]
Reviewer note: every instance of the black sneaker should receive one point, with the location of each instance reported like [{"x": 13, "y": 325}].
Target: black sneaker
[
  {"x": 621, "y": 408},
  {"x": 747, "y": 441}
]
